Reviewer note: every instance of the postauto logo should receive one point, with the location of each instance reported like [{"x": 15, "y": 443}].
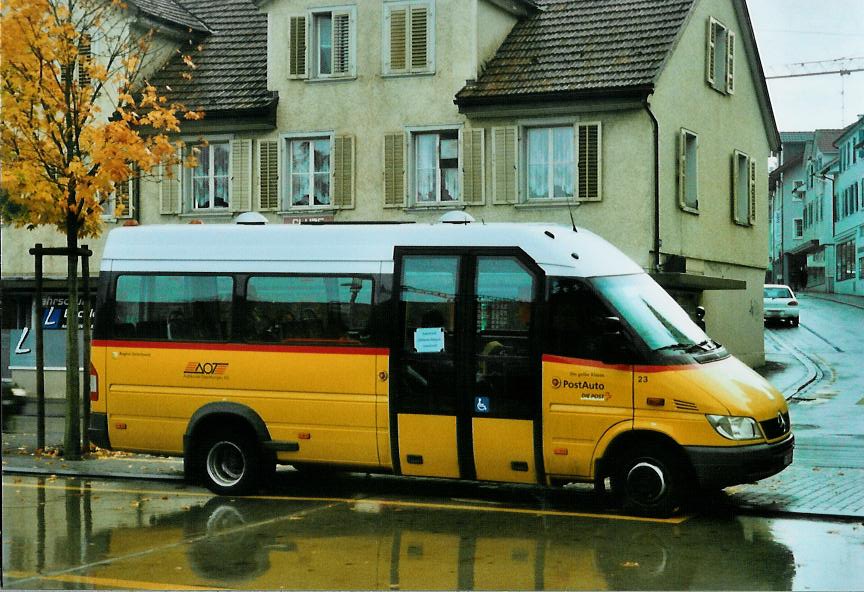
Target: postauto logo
[{"x": 206, "y": 368}]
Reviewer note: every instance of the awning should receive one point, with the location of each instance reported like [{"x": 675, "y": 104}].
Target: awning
[
  {"x": 806, "y": 247},
  {"x": 693, "y": 281}
]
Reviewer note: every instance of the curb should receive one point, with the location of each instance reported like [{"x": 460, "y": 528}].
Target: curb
[
  {"x": 814, "y": 373},
  {"x": 825, "y": 296},
  {"x": 90, "y": 475}
]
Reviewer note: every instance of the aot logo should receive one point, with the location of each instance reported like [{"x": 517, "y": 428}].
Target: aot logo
[
  {"x": 577, "y": 384},
  {"x": 556, "y": 383},
  {"x": 206, "y": 368}
]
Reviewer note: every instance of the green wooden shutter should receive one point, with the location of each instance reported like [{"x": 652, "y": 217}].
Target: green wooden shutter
[
  {"x": 343, "y": 171},
  {"x": 420, "y": 38},
  {"x": 730, "y": 62},
  {"x": 342, "y": 43},
  {"x": 505, "y": 163},
  {"x": 752, "y": 187},
  {"x": 394, "y": 170},
  {"x": 398, "y": 28},
  {"x": 711, "y": 51},
  {"x": 268, "y": 171},
  {"x": 241, "y": 175},
  {"x": 736, "y": 213},
  {"x": 297, "y": 47},
  {"x": 682, "y": 168},
  {"x": 473, "y": 166},
  {"x": 169, "y": 188},
  {"x": 589, "y": 163}
]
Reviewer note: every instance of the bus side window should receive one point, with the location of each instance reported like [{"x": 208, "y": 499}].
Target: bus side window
[
  {"x": 576, "y": 320},
  {"x": 284, "y": 309}
]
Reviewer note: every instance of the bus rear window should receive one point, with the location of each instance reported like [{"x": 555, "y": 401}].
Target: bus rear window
[{"x": 173, "y": 307}]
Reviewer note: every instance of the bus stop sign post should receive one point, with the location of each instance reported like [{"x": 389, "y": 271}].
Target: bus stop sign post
[{"x": 39, "y": 251}]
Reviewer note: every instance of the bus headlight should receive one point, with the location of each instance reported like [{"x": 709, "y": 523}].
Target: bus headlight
[{"x": 735, "y": 428}]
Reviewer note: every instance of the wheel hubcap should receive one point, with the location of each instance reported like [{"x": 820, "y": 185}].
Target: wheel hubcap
[
  {"x": 226, "y": 464},
  {"x": 646, "y": 482}
]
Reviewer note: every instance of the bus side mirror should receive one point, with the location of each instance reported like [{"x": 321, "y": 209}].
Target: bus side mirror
[
  {"x": 611, "y": 326},
  {"x": 700, "y": 317},
  {"x": 615, "y": 344}
]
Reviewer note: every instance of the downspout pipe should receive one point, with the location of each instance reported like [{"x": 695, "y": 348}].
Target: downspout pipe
[{"x": 655, "y": 126}]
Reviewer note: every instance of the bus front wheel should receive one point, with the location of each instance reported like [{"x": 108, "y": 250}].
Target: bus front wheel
[
  {"x": 230, "y": 464},
  {"x": 649, "y": 481}
]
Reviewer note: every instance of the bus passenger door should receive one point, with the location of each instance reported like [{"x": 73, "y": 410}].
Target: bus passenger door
[
  {"x": 505, "y": 399},
  {"x": 425, "y": 380},
  {"x": 465, "y": 394}
]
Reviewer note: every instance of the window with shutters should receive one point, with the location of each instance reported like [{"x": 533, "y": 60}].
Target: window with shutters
[
  {"x": 208, "y": 183},
  {"x": 720, "y": 57},
  {"x": 332, "y": 44},
  {"x": 409, "y": 37},
  {"x": 744, "y": 189},
  {"x": 123, "y": 202},
  {"x": 309, "y": 169},
  {"x": 435, "y": 171},
  {"x": 562, "y": 162},
  {"x": 688, "y": 171}
]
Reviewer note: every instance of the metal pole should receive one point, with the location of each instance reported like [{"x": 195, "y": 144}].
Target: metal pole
[
  {"x": 85, "y": 415},
  {"x": 40, "y": 354}
]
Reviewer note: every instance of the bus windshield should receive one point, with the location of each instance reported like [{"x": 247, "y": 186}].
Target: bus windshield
[{"x": 651, "y": 311}]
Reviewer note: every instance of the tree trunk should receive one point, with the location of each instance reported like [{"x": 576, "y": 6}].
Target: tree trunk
[{"x": 72, "y": 439}]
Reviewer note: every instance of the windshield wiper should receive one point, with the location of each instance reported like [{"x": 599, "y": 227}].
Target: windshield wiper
[
  {"x": 707, "y": 345},
  {"x": 675, "y": 346}
]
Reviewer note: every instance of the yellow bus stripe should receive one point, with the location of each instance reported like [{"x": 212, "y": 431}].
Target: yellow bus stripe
[
  {"x": 116, "y": 583},
  {"x": 392, "y": 503}
]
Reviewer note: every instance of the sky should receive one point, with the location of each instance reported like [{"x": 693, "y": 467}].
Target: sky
[{"x": 794, "y": 31}]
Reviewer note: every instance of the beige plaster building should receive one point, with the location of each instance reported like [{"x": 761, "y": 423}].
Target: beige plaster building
[{"x": 648, "y": 122}]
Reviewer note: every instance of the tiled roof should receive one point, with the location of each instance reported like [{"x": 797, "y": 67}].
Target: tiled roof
[
  {"x": 825, "y": 139},
  {"x": 230, "y": 71},
  {"x": 581, "y": 46},
  {"x": 170, "y": 11},
  {"x": 796, "y": 137}
]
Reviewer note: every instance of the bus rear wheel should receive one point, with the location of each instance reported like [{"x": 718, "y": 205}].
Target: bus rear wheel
[
  {"x": 230, "y": 464},
  {"x": 649, "y": 481}
]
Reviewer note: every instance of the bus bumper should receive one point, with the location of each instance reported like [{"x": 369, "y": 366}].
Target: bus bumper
[
  {"x": 97, "y": 431},
  {"x": 723, "y": 467}
]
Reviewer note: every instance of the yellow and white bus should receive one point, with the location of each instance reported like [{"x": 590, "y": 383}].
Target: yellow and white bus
[{"x": 526, "y": 353}]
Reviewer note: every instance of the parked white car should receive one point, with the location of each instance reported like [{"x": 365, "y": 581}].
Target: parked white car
[{"x": 780, "y": 304}]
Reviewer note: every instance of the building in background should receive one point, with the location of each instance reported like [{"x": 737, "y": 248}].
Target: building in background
[
  {"x": 816, "y": 201},
  {"x": 649, "y": 124}
]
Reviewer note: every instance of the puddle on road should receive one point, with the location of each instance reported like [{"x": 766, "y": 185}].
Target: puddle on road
[{"x": 78, "y": 534}]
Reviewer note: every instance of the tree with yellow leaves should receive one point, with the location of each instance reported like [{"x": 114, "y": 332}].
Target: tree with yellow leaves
[{"x": 78, "y": 121}]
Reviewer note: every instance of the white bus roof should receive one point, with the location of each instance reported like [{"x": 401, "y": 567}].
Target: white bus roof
[{"x": 348, "y": 248}]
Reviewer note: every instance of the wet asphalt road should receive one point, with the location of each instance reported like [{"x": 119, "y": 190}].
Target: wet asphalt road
[{"x": 353, "y": 532}]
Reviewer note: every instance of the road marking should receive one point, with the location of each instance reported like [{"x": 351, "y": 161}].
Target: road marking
[
  {"x": 350, "y": 501},
  {"x": 111, "y": 583},
  {"x": 837, "y": 349}
]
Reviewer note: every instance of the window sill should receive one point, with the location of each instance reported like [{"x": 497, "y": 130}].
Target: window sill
[
  {"x": 552, "y": 203},
  {"x": 319, "y": 210},
  {"x": 204, "y": 214},
  {"x": 331, "y": 79},
  {"x": 407, "y": 74},
  {"x": 689, "y": 209},
  {"x": 452, "y": 205}
]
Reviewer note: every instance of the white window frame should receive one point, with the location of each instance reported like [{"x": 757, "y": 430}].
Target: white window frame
[
  {"x": 720, "y": 51},
  {"x": 691, "y": 164},
  {"x": 313, "y": 45},
  {"x": 797, "y": 228},
  {"x": 412, "y": 133},
  {"x": 409, "y": 70},
  {"x": 187, "y": 197},
  {"x": 574, "y": 171},
  {"x": 133, "y": 187},
  {"x": 742, "y": 168},
  {"x": 286, "y": 180}
]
